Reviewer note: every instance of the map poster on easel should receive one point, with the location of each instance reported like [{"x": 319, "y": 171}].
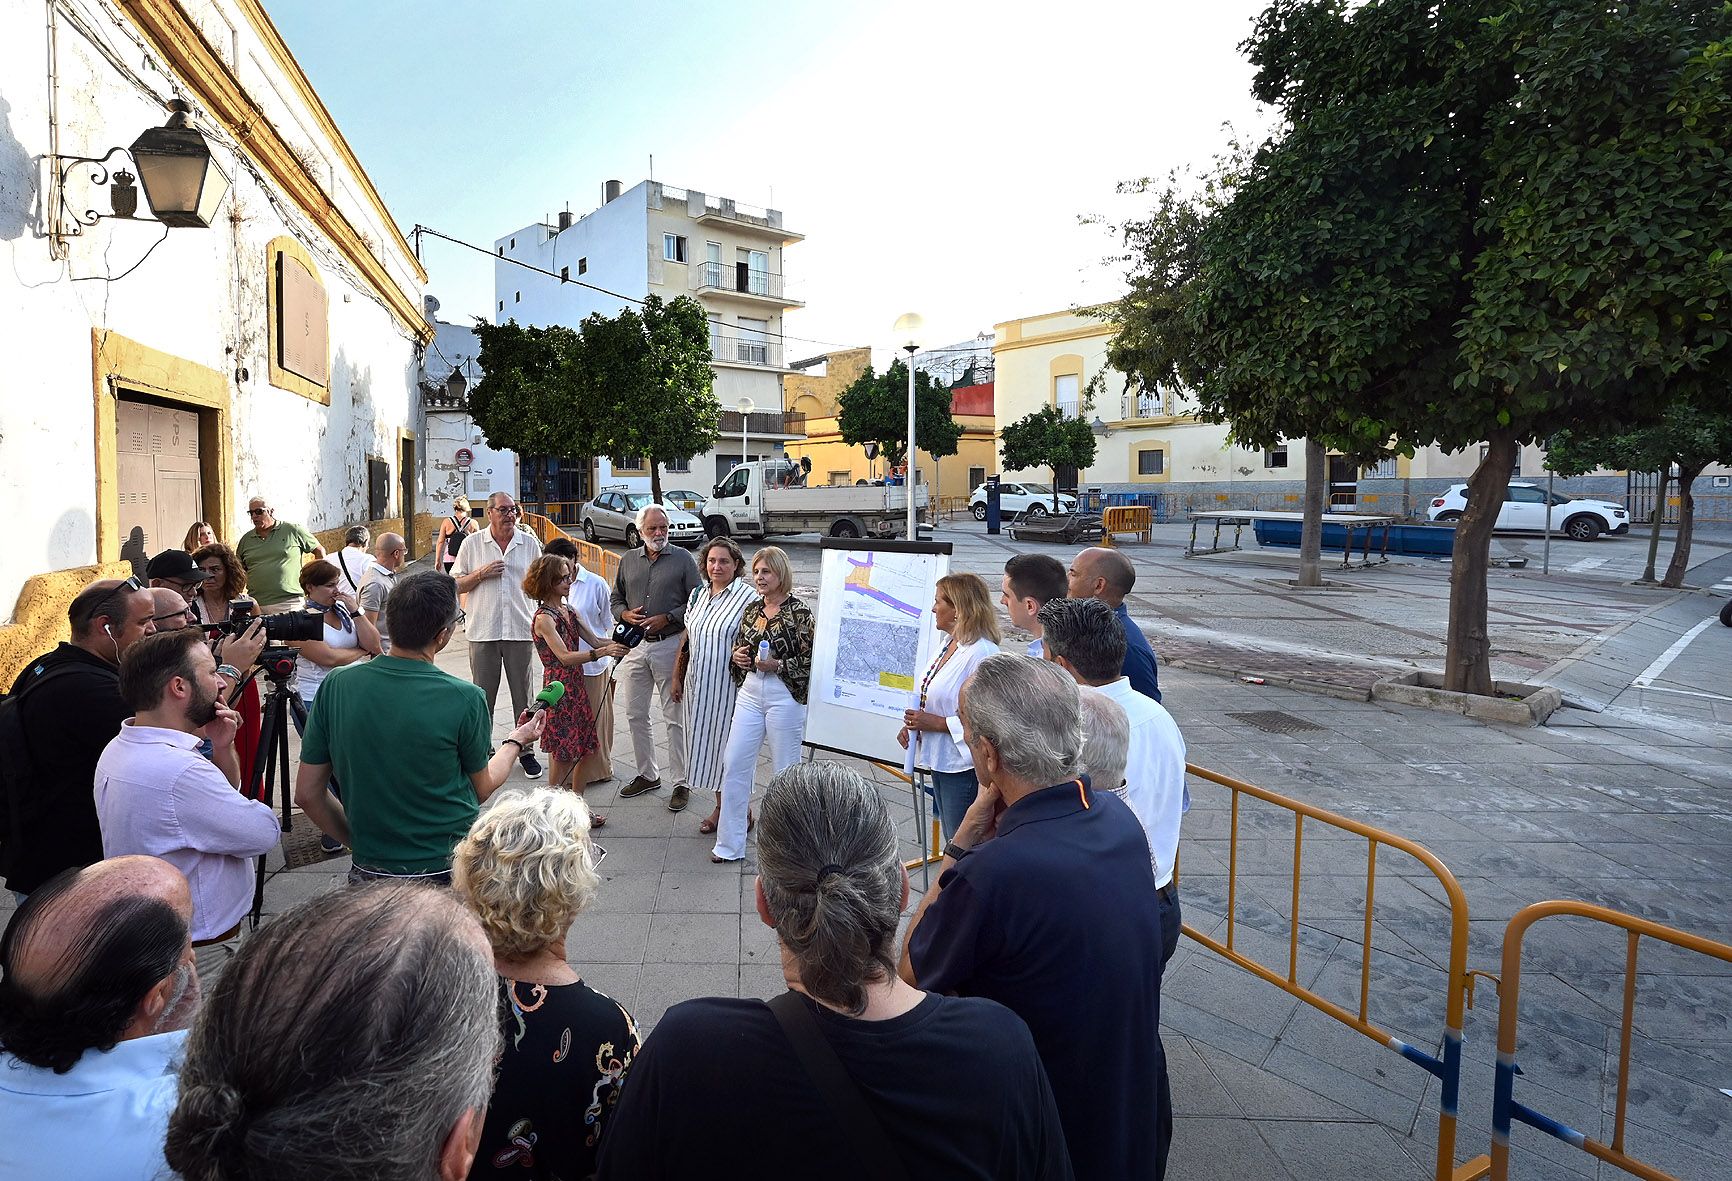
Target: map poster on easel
[{"x": 875, "y": 637}]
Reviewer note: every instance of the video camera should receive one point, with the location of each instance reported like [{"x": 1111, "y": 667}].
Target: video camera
[{"x": 291, "y": 627}]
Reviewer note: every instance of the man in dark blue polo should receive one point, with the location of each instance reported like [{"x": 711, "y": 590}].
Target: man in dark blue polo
[
  {"x": 1108, "y": 575},
  {"x": 1044, "y": 904}
]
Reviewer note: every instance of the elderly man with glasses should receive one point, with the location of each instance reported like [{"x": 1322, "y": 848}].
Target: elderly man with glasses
[
  {"x": 68, "y": 707},
  {"x": 490, "y": 569},
  {"x": 273, "y": 554}
]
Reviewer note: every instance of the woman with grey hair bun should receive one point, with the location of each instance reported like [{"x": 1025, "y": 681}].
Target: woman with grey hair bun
[
  {"x": 952, "y": 1085},
  {"x": 527, "y": 869}
]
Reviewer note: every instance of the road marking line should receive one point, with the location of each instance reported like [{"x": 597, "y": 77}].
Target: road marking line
[
  {"x": 1586, "y": 564},
  {"x": 1681, "y": 692},
  {"x": 1669, "y": 655}
]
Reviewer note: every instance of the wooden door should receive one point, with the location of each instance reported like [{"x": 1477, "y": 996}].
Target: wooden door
[{"x": 161, "y": 491}]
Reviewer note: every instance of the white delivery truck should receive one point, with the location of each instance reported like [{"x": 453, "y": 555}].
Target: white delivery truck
[{"x": 766, "y": 497}]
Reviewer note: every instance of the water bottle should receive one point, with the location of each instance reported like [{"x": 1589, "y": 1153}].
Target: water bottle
[{"x": 763, "y": 650}]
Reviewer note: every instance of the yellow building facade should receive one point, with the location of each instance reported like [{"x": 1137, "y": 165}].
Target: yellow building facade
[{"x": 816, "y": 396}]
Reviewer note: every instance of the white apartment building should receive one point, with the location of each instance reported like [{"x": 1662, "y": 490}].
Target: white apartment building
[{"x": 655, "y": 239}]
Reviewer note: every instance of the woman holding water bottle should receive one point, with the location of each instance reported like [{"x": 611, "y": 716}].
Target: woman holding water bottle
[{"x": 772, "y": 665}]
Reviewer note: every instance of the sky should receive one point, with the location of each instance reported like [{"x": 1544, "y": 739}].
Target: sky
[{"x": 938, "y": 156}]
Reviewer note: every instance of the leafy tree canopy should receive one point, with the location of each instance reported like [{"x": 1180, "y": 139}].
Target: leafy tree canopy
[
  {"x": 875, "y": 410},
  {"x": 1047, "y": 438},
  {"x": 635, "y": 384},
  {"x": 1477, "y": 222}
]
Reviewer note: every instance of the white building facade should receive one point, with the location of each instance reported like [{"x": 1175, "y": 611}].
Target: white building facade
[
  {"x": 458, "y": 460},
  {"x": 163, "y": 374},
  {"x": 655, "y": 239}
]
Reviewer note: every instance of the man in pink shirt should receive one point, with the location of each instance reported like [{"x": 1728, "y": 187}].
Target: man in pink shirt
[{"x": 156, "y": 795}]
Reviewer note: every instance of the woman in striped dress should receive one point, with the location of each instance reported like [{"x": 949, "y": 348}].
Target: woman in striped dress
[{"x": 701, "y": 677}]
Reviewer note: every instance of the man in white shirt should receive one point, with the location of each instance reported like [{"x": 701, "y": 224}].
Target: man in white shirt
[
  {"x": 388, "y": 557},
  {"x": 1031, "y": 580},
  {"x": 1085, "y": 638},
  {"x": 97, "y": 988},
  {"x": 591, "y": 597},
  {"x": 490, "y": 568},
  {"x": 156, "y": 795}
]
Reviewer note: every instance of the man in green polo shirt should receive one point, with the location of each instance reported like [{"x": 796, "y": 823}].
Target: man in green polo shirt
[
  {"x": 410, "y": 743},
  {"x": 273, "y": 554}
]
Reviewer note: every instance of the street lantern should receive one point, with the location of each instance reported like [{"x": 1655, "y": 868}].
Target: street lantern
[
  {"x": 456, "y": 386},
  {"x": 182, "y": 183}
]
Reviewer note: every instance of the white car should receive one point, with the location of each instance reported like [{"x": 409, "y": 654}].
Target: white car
[
  {"x": 1014, "y": 496},
  {"x": 1524, "y": 510},
  {"x": 614, "y": 514}
]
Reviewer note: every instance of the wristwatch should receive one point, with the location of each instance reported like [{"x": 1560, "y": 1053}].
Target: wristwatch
[{"x": 955, "y": 851}]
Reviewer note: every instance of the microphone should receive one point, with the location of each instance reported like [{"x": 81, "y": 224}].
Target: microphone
[{"x": 550, "y": 696}]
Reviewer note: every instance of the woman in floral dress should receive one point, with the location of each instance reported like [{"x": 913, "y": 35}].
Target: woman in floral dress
[{"x": 565, "y": 645}]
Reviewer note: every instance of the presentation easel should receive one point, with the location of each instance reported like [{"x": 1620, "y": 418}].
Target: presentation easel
[{"x": 875, "y": 638}]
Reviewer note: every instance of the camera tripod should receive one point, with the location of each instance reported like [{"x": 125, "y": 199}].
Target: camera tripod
[{"x": 271, "y": 762}]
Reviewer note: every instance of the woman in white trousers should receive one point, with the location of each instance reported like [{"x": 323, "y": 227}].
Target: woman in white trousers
[{"x": 772, "y": 702}]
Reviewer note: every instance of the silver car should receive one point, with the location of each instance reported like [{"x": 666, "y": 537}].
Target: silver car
[{"x": 614, "y": 514}]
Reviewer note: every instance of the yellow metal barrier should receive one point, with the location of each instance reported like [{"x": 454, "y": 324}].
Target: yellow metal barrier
[
  {"x": 929, "y": 854},
  {"x": 595, "y": 559},
  {"x": 1129, "y": 518},
  {"x": 1505, "y": 1108},
  {"x": 1447, "y": 1069}
]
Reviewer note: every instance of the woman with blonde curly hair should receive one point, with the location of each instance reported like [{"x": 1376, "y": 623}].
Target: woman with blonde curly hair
[{"x": 527, "y": 869}]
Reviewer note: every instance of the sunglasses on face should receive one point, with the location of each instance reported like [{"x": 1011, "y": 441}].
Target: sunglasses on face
[{"x": 257, "y": 512}]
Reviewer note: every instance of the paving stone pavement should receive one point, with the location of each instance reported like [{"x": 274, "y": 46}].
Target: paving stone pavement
[{"x": 1629, "y": 806}]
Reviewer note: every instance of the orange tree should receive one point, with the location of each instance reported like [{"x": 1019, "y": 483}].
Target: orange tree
[{"x": 1477, "y": 222}]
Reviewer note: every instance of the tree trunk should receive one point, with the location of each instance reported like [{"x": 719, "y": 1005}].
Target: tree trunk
[
  {"x": 1680, "y": 563},
  {"x": 655, "y": 480},
  {"x": 1467, "y": 660},
  {"x": 1055, "y": 490},
  {"x": 1654, "y": 531},
  {"x": 1316, "y": 497}
]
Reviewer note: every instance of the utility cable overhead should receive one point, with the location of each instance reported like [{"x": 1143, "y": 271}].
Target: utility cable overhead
[{"x": 528, "y": 266}]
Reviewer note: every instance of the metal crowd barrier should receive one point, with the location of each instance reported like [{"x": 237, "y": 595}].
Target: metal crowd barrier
[
  {"x": 1506, "y": 1109},
  {"x": 1135, "y": 518},
  {"x": 595, "y": 559},
  {"x": 1447, "y": 1069}
]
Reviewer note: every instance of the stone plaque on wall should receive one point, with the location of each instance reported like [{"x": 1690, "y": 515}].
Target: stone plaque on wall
[{"x": 303, "y": 322}]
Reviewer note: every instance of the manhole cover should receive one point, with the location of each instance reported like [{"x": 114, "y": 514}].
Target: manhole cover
[
  {"x": 1274, "y": 721},
  {"x": 301, "y": 846}
]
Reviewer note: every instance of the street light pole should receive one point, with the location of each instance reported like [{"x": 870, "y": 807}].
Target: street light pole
[
  {"x": 745, "y": 406},
  {"x": 908, "y": 327}
]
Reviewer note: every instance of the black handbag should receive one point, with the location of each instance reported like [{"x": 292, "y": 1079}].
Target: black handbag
[{"x": 865, "y": 1132}]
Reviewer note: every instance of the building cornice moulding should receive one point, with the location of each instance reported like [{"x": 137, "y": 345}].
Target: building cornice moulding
[{"x": 219, "y": 92}]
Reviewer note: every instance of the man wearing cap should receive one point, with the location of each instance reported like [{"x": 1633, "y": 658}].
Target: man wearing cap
[
  {"x": 174, "y": 570},
  {"x": 273, "y": 554}
]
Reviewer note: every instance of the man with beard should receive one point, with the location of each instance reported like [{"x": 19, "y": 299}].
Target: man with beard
[
  {"x": 97, "y": 988},
  {"x": 156, "y": 795}
]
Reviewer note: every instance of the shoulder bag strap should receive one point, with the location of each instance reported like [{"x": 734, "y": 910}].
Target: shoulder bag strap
[{"x": 864, "y": 1130}]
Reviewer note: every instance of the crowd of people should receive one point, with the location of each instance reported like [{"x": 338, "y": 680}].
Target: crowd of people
[{"x": 392, "y": 1030}]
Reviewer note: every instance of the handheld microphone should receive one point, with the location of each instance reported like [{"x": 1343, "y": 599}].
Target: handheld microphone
[{"x": 550, "y": 696}]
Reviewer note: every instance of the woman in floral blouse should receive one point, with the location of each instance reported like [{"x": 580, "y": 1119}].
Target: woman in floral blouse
[
  {"x": 527, "y": 868},
  {"x": 772, "y": 701}
]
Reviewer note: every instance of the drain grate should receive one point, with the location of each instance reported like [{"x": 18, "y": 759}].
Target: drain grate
[
  {"x": 301, "y": 846},
  {"x": 1274, "y": 721}
]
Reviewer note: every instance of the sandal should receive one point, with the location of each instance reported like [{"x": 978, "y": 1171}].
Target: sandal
[
  {"x": 708, "y": 824},
  {"x": 597, "y": 820},
  {"x": 725, "y": 860}
]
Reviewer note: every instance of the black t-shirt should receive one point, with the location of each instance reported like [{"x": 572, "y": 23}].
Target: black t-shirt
[
  {"x": 67, "y": 721},
  {"x": 1055, "y": 918},
  {"x": 717, "y": 1092},
  {"x": 566, "y": 1049}
]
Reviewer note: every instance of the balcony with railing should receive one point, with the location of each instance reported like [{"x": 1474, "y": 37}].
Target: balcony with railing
[
  {"x": 745, "y": 348},
  {"x": 765, "y": 424},
  {"x": 1156, "y": 404},
  {"x": 723, "y": 278}
]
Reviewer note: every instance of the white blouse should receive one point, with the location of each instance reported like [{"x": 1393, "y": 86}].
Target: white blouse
[{"x": 947, "y": 751}]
